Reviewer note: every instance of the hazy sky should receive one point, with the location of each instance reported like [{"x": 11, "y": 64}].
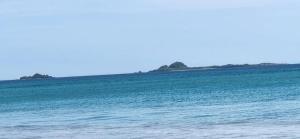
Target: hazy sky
[{"x": 88, "y": 37}]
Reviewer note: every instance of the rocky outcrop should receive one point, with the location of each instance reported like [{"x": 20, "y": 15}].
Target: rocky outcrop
[
  {"x": 35, "y": 77},
  {"x": 173, "y": 67}
]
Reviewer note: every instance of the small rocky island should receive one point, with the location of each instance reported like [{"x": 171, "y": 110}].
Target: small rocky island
[{"x": 36, "y": 76}]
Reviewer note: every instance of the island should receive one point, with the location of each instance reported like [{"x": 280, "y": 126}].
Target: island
[
  {"x": 180, "y": 66},
  {"x": 173, "y": 67},
  {"x": 36, "y": 76}
]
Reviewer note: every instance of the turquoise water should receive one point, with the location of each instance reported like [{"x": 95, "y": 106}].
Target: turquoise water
[{"x": 228, "y": 103}]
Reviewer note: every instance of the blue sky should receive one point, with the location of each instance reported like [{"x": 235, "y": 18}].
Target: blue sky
[{"x": 91, "y": 37}]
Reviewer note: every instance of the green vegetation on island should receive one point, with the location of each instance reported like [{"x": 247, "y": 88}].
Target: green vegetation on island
[{"x": 36, "y": 77}]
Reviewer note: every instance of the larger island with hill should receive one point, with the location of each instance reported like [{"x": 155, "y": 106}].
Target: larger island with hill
[{"x": 179, "y": 66}]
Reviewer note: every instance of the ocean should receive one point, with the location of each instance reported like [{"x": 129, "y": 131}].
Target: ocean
[{"x": 247, "y": 103}]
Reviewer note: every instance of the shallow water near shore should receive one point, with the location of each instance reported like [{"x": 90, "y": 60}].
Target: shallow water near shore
[{"x": 228, "y": 103}]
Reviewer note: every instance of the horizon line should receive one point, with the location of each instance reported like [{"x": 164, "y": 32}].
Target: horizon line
[{"x": 143, "y": 72}]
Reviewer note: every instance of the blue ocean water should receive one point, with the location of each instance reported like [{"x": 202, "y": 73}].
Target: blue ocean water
[{"x": 228, "y": 103}]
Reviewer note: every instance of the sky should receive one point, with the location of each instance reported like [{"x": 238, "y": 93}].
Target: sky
[{"x": 94, "y": 37}]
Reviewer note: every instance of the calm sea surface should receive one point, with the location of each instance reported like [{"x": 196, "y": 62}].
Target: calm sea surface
[{"x": 230, "y": 103}]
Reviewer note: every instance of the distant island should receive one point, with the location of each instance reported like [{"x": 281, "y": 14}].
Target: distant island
[
  {"x": 180, "y": 66},
  {"x": 36, "y": 76},
  {"x": 177, "y": 66},
  {"x": 173, "y": 67}
]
